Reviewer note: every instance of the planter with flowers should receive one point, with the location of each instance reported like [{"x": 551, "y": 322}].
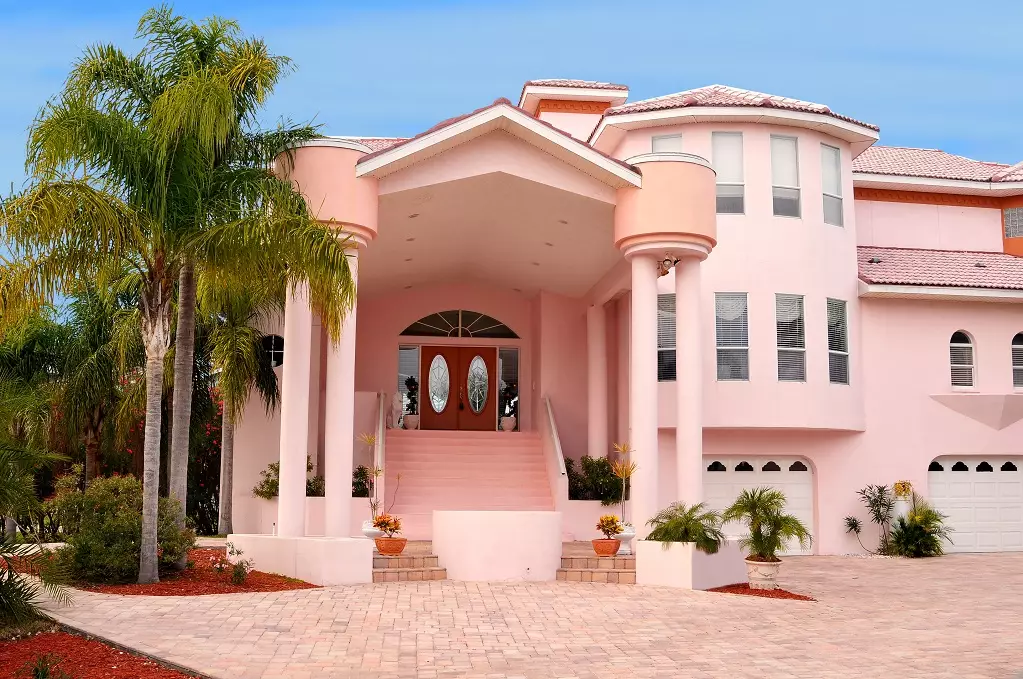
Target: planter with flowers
[
  {"x": 388, "y": 544},
  {"x": 762, "y": 510},
  {"x": 509, "y": 407},
  {"x": 903, "y": 492},
  {"x": 610, "y": 526},
  {"x": 623, "y": 469}
]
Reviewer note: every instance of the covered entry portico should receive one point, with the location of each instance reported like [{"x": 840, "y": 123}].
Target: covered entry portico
[{"x": 501, "y": 215}]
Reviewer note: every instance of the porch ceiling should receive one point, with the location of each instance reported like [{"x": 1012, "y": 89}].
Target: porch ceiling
[{"x": 496, "y": 228}]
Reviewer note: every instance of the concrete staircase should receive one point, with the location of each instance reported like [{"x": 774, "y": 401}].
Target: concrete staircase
[{"x": 487, "y": 470}]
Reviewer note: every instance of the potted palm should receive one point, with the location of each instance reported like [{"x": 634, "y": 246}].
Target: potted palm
[
  {"x": 610, "y": 526},
  {"x": 686, "y": 548},
  {"x": 763, "y": 512},
  {"x": 903, "y": 492},
  {"x": 387, "y": 544},
  {"x": 411, "y": 419},
  {"x": 510, "y": 400}
]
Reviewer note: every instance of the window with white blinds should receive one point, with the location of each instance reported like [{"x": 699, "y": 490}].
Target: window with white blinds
[
  {"x": 838, "y": 342},
  {"x": 831, "y": 182},
  {"x": 1013, "y": 221},
  {"x": 666, "y": 143},
  {"x": 791, "y": 338},
  {"x": 408, "y": 366},
  {"x": 508, "y": 374},
  {"x": 785, "y": 176},
  {"x": 726, "y": 156},
  {"x": 960, "y": 349},
  {"x": 666, "y": 338},
  {"x": 731, "y": 326},
  {"x": 1017, "y": 360}
]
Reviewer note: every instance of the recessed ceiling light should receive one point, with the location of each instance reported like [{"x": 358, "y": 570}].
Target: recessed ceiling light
[
  {"x": 408, "y": 287},
  {"x": 409, "y": 240},
  {"x": 548, "y": 244},
  {"x": 536, "y": 263},
  {"x": 408, "y": 259},
  {"x": 413, "y": 215},
  {"x": 517, "y": 289},
  {"x": 562, "y": 221}
]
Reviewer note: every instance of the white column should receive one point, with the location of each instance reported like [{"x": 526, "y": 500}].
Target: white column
[
  {"x": 688, "y": 382},
  {"x": 295, "y": 378},
  {"x": 643, "y": 392},
  {"x": 339, "y": 425},
  {"x": 596, "y": 356}
]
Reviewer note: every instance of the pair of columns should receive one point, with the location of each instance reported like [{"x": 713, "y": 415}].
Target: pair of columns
[
  {"x": 643, "y": 388},
  {"x": 339, "y": 426}
]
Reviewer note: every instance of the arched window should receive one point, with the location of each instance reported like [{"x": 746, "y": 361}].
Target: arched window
[
  {"x": 273, "y": 345},
  {"x": 1017, "y": 360},
  {"x": 459, "y": 323},
  {"x": 960, "y": 349}
]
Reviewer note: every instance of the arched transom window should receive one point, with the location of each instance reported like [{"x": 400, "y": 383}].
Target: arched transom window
[
  {"x": 960, "y": 349},
  {"x": 459, "y": 323}
]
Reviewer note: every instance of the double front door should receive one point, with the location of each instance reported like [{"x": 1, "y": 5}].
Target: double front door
[{"x": 459, "y": 388}]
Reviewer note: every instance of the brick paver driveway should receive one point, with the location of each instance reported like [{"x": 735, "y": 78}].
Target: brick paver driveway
[{"x": 959, "y": 616}]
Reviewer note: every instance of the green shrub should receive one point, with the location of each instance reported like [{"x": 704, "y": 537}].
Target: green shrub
[
  {"x": 361, "y": 481},
  {"x": 105, "y": 543},
  {"x": 595, "y": 481},
  {"x": 763, "y": 512},
  {"x": 680, "y": 523},
  {"x": 44, "y": 667},
  {"x": 919, "y": 534},
  {"x": 269, "y": 485}
]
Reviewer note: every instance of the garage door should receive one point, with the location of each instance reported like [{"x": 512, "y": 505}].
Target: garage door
[
  {"x": 725, "y": 477},
  {"x": 983, "y": 498}
]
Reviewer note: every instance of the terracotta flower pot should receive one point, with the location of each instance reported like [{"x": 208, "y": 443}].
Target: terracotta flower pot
[
  {"x": 606, "y": 547},
  {"x": 390, "y": 546}
]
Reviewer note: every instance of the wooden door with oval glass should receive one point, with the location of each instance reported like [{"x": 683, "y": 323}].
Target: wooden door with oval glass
[{"x": 460, "y": 390}]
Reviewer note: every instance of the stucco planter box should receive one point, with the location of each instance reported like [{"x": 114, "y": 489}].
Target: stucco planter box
[{"x": 682, "y": 565}]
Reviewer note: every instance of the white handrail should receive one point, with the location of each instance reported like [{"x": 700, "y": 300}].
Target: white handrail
[
  {"x": 557, "y": 475},
  {"x": 378, "y": 444},
  {"x": 554, "y": 435}
]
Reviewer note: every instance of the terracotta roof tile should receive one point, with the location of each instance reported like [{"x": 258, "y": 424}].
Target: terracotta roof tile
[
  {"x": 588, "y": 84},
  {"x": 909, "y": 162},
  {"x": 722, "y": 95},
  {"x": 942, "y": 268},
  {"x": 376, "y": 143}
]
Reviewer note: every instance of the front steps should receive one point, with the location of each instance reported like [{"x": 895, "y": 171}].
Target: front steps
[
  {"x": 578, "y": 565},
  {"x": 459, "y": 470},
  {"x": 416, "y": 564}
]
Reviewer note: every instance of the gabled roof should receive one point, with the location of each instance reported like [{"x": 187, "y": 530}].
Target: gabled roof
[
  {"x": 499, "y": 115},
  {"x": 724, "y": 96},
  {"x": 585, "y": 84},
  {"x": 940, "y": 268},
  {"x": 910, "y": 162}
]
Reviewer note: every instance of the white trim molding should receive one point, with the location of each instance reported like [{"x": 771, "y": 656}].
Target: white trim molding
[
  {"x": 533, "y": 94},
  {"x": 932, "y": 185},
  {"x": 338, "y": 143},
  {"x": 935, "y": 292},
  {"x": 671, "y": 157}
]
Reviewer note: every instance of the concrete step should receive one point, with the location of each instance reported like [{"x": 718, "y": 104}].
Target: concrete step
[
  {"x": 409, "y": 574},
  {"x": 604, "y": 563},
  {"x": 620, "y": 577},
  {"x": 405, "y": 561}
]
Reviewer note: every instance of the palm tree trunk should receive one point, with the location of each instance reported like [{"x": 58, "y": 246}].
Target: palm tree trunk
[
  {"x": 226, "y": 471},
  {"x": 91, "y": 456},
  {"x": 149, "y": 567},
  {"x": 184, "y": 356}
]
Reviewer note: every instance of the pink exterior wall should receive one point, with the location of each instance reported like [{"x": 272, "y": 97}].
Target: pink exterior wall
[
  {"x": 579, "y": 125},
  {"x": 940, "y": 227},
  {"x": 563, "y": 367}
]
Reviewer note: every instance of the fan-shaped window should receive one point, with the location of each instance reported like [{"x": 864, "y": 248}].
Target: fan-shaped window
[
  {"x": 935, "y": 466},
  {"x": 960, "y": 349},
  {"x": 273, "y": 345},
  {"x": 1017, "y": 360},
  {"x": 771, "y": 466},
  {"x": 1008, "y": 467},
  {"x": 797, "y": 466},
  {"x": 984, "y": 467},
  {"x": 960, "y": 467},
  {"x": 716, "y": 466},
  {"x": 459, "y": 323},
  {"x": 744, "y": 467}
]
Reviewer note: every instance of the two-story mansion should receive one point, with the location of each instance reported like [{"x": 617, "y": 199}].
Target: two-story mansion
[{"x": 746, "y": 288}]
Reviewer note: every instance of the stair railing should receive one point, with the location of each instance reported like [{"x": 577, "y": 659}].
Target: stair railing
[
  {"x": 554, "y": 457},
  {"x": 378, "y": 447}
]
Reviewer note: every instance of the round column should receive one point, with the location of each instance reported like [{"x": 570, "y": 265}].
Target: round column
[
  {"x": 688, "y": 382},
  {"x": 295, "y": 382},
  {"x": 596, "y": 358},
  {"x": 644, "y": 495}
]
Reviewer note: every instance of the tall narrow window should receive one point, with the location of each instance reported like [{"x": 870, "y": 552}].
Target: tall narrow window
[
  {"x": 791, "y": 338},
  {"x": 273, "y": 345},
  {"x": 960, "y": 349},
  {"x": 666, "y": 143},
  {"x": 726, "y": 152},
  {"x": 838, "y": 342},
  {"x": 731, "y": 324},
  {"x": 1017, "y": 360},
  {"x": 785, "y": 176},
  {"x": 666, "y": 338},
  {"x": 831, "y": 182},
  {"x": 408, "y": 366}
]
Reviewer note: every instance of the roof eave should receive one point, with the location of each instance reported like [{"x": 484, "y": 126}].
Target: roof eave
[
  {"x": 875, "y": 180},
  {"x": 939, "y": 293},
  {"x": 532, "y": 95}
]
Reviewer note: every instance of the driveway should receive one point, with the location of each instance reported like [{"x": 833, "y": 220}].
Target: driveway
[{"x": 958, "y": 616}]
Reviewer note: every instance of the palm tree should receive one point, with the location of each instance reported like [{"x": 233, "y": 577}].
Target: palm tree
[
  {"x": 680, "y": 523},
  {"x": 762, "y": 510},
  {"x": 240, "y": 361},
  {"x": 150, "y": 162}
]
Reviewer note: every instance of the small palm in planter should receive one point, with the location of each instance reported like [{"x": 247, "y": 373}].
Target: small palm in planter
[
  {"x": 388, "y": 544},
  {"x": 610, "y": 526},
  {"x": 762, "y": 510},
  {"x": 695, "y": 524}
]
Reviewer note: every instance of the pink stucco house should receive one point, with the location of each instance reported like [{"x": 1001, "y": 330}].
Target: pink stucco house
[{"x": 747, "y": 288}]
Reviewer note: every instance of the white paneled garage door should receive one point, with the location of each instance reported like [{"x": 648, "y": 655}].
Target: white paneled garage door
[
  {"x": 983, "y": 498},
  {"x": 725, "y": 477}
]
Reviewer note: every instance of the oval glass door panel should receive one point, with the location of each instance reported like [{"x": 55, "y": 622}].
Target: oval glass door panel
[
  {"x": 477, "y": 384},
  {"x": 440, "y": 383}
]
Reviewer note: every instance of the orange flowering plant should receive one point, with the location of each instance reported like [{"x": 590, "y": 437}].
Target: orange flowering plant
[
  {"x": 390, "y": 525},
  {"x": 610, "y": 526}
]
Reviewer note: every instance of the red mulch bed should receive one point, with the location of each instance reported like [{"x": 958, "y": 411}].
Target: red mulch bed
[
  {"x": 78, "y": 657},
  {"x": 201, "y": 578},
  {"x": 744, "y": 588}
]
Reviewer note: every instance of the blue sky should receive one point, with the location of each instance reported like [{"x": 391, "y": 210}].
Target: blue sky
[{"x": 931, "y": 74}]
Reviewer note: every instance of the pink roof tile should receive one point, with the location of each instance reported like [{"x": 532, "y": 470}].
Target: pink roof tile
[
  {"x": 909, "y": 162},
  {"x": 722, "y": 95},
  {"x": 378, "y": 143},
  {"x": 942, "y": 268},
  {"x": 588, "y": 84}
]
